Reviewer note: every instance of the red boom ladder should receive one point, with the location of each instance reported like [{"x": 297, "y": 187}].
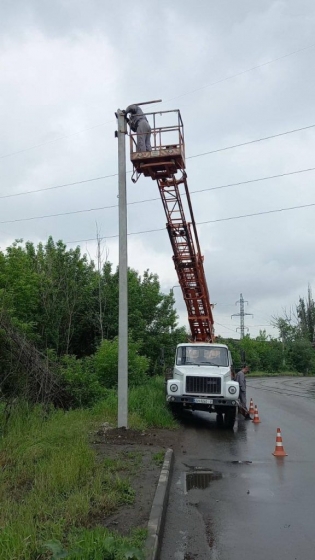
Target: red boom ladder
[{"x": 166, "y": 165}]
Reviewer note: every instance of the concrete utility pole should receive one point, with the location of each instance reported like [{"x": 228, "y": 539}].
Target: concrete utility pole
[
  {"x": 241, "y": 315},
  {"x": 123, "y": 270},
  {"x": 123, "y": 275}
]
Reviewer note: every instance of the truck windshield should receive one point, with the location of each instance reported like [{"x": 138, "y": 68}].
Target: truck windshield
[{"x": 202, "y": 356}]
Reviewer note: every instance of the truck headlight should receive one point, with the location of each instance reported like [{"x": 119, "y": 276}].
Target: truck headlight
[
  {"x": 174, "y": 388},
  {"x": 232, "y": 390}
]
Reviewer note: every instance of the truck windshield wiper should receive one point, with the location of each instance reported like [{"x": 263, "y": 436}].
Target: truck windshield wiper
[{"x": 210, "y": 364}]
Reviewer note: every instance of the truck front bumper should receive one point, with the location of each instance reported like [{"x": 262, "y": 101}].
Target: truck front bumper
[{"x": 200, "y": 400}]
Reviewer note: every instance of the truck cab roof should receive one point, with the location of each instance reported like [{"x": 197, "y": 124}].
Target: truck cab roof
[{"x": 202, "y": 344}]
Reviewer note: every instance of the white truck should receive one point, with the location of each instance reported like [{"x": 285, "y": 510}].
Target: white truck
[{"x": 201, "y": 380}]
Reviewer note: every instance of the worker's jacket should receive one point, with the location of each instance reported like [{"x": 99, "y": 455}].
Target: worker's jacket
[
  {"x": 136, "y": 115},
  {"x": 240, "y": 378}
]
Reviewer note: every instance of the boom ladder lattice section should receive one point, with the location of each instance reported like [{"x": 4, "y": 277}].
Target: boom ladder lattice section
[{"x": 187, "y": 258}]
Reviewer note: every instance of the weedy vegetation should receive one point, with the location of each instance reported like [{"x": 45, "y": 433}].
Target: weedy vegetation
[{"x": 55, "y": 491}]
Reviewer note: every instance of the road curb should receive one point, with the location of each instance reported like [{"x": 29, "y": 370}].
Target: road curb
[{"x": 158, "y": 510}]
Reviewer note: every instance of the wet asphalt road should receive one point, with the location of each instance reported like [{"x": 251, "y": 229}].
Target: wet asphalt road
[{"x": 230, "y": 498}]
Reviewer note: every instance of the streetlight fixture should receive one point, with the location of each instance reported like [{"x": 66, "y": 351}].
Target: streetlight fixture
[{"x": 172, "y": 288}]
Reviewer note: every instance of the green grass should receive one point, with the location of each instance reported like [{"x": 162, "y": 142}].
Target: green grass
[
  {"x": 53, "y": 487},
  {"x": 158, "y": 458},
  {"x": 105, "y": 546},
  {"x": 147, "y": 407}
]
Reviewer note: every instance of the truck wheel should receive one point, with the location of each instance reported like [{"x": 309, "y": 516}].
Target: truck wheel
[
  {"x": 176, "y": 409},
  {"x": 229, "y": 417}
]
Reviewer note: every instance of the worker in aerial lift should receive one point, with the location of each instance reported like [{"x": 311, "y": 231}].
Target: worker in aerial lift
[
  {"x": 240, "y": 378},
  {"x": 139, "y": 124}
]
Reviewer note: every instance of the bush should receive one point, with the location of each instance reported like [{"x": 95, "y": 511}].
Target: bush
[
  {"x": 81, "y": 381},
  {"x": 106, "y": 364},
  {"x": 88, "y": 380}
]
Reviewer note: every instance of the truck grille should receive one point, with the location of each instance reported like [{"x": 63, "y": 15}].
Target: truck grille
[{"x": 204, "y": 385}]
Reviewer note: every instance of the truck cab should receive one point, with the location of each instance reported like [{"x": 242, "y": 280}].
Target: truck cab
[{"x": 201, "y": 380}]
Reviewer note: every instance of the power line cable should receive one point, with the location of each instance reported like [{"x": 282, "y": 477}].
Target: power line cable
[
  {"x": 258, "y": 213},
  {"x": 225, "y": 327},
  {"x": 255, "y": 180},
  {"x": 58, "y": 186},
  {"x": 56, "y": 215},
  {"x": 16, "y": 152},
  {"x": 234, "y": 330},
  {"x": 198, "y": 223},
  {"x": 251, "y": 141},
  {"x": 157, "y": 198},
  {"x": 267, "y": 177},
  {"x": 243, "y": 72},
  {"x": 189, "y": 157}
]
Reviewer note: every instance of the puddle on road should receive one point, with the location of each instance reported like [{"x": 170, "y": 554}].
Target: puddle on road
[
  {"x": 245, "y": 462},
  {"x": 200, "y": 479}
]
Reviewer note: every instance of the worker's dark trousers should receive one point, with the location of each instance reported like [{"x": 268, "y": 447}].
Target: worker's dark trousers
[
  {"x": 243, "y": 399},
  {"x": 143, "y": 136}
]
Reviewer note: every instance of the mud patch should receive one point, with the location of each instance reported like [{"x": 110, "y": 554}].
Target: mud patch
[{"x": 122, "y": 436}]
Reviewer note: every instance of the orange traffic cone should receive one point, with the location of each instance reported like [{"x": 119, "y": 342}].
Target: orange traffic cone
[
  {"x": 256, "y": 417},
  {"x": 279, "y": 449},
  {"x": 251, "y": 407}
]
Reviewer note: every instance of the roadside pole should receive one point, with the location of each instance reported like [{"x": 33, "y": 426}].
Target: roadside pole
[
  {"x": 123, "y": 270},
  {"x": 123, "y": 276}
]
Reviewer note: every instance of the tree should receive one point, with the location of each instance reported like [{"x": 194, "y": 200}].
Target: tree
[
  {"x": 19, "y": 286},
  {"x": 297, "y": 335},
  {"x": 301, "y": 356},
  {"x": 65, "y": 305},
  {"x": 306, "y": 316},
  {"x": 67, "y": 282},
  {"x": 152, "y": 319}
]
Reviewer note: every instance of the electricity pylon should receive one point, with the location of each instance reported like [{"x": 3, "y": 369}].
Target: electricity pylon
[{"x": 241, "y": 315}]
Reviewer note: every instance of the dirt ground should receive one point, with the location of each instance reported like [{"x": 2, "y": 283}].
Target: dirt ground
[{"x": 146, "y": 450}]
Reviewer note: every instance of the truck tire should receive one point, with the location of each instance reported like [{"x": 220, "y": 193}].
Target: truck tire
[
  {"x": 176, "y": 409},
  {"x": 229, "y": 417}
]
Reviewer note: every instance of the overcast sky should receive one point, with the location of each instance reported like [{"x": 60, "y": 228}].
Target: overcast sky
[{"x": 66, "y": 66}]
